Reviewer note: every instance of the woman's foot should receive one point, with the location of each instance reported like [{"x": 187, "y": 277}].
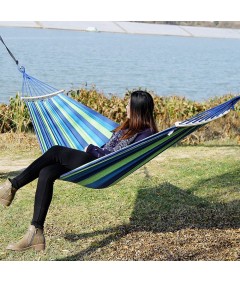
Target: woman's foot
[
  {"x": 7, "y": 193},
  {"x": 34, "y": 238}
]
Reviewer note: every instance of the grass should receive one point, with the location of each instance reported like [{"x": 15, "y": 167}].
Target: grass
[{"x": 183, "y": 205}]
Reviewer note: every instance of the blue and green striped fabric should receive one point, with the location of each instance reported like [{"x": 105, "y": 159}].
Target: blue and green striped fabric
[
  {"x": 60, "y": 120},
  {"x": 110, "y": 169}
]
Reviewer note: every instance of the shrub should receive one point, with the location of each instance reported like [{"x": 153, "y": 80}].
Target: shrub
[{"x": 15, "y": 116}]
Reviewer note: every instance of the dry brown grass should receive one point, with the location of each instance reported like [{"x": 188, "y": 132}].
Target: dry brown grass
[{"x": 186, "y": 244}]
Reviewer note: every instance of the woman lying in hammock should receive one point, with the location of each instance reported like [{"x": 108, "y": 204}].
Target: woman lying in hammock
[{"x": 59, "y": 160}]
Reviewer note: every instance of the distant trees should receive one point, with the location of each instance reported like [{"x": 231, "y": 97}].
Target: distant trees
[{"x": 220, "y": 24}]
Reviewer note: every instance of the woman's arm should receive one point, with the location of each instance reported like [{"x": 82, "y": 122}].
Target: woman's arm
[
  {"x": 100, "y": 152},
  {"x": 96, "y": 151}
]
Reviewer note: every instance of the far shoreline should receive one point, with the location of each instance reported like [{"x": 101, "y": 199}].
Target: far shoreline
[{"x": 131, "y": 28}]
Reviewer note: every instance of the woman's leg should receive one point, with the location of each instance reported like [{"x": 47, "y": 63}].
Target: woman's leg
[
  {"x": 63, "y": 160},
  {"x": 44, "y": 192},
  {"x": 67, "y": 157},
  {"x": 55, "y": 162}
]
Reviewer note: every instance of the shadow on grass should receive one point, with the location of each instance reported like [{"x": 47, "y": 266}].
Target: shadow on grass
[{"x": 167, "y": 208}]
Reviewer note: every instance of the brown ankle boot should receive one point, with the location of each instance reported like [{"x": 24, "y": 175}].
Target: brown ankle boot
[
  {"x": 34, "y": 238},
  {"x": 7, "y": 193}
]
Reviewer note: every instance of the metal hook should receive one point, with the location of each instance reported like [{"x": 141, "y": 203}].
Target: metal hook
[{"x": 21, "y": 69}]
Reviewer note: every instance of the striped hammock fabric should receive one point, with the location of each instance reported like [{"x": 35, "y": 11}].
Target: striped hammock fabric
[{"x": 60, "y": 120}]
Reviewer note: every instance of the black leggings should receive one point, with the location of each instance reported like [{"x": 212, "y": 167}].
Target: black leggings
[{"x": 47, "y": 168}]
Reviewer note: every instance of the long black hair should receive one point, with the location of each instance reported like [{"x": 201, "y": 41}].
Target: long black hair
[{"x": 141, "y": 114}]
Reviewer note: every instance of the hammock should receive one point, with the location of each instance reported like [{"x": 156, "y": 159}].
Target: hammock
[{"x": 60, "y": 120}]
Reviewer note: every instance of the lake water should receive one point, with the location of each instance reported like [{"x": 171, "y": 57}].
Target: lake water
[{"x": 197, "y": 68}]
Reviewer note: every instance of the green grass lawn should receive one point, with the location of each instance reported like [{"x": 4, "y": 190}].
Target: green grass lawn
[{"x": 183, "y": 205}]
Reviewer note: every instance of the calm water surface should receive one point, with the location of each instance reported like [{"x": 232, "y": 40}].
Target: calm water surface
[{"x": 197, "y": 68}]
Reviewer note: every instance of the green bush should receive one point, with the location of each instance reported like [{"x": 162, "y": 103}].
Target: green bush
[{"x": 15, "y": 116}]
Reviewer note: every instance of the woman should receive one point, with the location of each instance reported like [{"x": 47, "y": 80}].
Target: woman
[{"x": 59, "y": 160}]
